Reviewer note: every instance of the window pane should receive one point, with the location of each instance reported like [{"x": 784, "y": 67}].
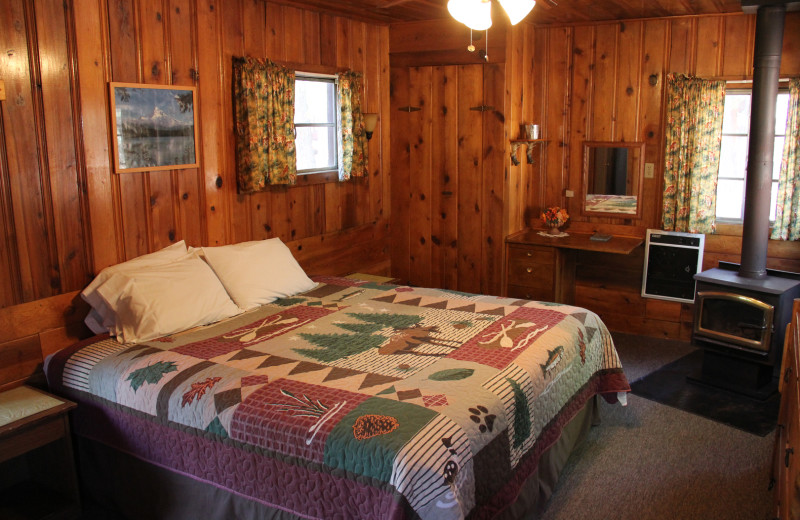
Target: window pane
[
  {"x": 315, "y": 115},
  {"x": 772, "y": 200},
  {"x": 777, "y": 155},
  {"x": 781, "y": 113},
  {"x": 736, "y": 117},
  {"x": 316, "y": 147},
  {"x": 314, "y": 101},
  {"x": 733, "y": 156},
  {"x": 730, "y": 198}
]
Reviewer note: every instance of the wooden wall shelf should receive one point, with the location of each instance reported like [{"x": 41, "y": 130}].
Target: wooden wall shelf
[{"x": 529, "y": 144}]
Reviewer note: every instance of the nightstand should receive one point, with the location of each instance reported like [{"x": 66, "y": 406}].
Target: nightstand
[{"x": 37, "y": 468}]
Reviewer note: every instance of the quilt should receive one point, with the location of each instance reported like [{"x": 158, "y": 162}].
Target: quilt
[{"x": 356, "y": 399}]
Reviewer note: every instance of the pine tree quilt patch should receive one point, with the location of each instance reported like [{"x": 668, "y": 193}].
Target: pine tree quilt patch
[{"x": 410, "y": 402}]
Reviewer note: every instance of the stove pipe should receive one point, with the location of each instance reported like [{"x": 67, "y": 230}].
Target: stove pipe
[{"x": 766, "y": 69}]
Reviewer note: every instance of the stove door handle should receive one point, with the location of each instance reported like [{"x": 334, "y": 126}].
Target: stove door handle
[{"x": 743, "y": 325}]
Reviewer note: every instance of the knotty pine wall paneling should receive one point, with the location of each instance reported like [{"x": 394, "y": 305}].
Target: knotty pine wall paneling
[
  {"x": 494, "y": 175},
  {"x": 445, "y": 177},
  {"x": 65, "y": 214},
  {"x": 213, "y": 125},
  {"x": 188, "y": 194},
  {"x": 401, "y": 117},
  {"x": 526, "y": 182},
  {"x": 652, "y": 59},
  {"x": 449, "y": 175},
  {"x": 43, "y": 242},
  {"x": 470, "y": 170},
  {"x": 420, "y": 181},
  {"x": 605, "y": 81}
]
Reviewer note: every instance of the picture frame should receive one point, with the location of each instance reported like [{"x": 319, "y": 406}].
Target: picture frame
[{"x": 155, "y": 127}]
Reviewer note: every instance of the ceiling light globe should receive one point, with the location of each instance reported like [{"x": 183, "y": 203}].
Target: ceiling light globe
[
  {"x": 517, "y": 9},
  {"x": 475, "y": 14}
]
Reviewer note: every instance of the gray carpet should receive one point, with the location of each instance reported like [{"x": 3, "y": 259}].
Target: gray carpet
[{"x": 651, "y": 461}]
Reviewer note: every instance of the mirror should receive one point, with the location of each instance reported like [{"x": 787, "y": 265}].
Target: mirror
[{"x": 612, "y": 182}]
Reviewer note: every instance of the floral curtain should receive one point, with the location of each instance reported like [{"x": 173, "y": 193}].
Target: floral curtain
[
  {"x": 352, "y": 136},
  {"x": 263, "y": 103},
  {"x": 693, "y": 138},
  {"x": 787, "y": 211}
]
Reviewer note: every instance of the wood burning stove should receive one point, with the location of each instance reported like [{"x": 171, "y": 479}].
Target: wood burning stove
[
  {"x": 740, "y": 323},
  {"x": 734, "y": 321},
  {"x": 742, "y": 346}
]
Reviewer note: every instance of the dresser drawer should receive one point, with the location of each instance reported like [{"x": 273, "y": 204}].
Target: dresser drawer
[
  {"x": 531, "y": 267},
  {"x": 530, "y": 293},
  {"x": 534, "y": 254}
]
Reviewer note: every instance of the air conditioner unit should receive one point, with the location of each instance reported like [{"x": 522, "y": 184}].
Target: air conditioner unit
[{"x": 671, "y": 259}]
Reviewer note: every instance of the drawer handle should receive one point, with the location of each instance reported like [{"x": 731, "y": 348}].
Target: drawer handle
[
  {"x": 529, "y": 269},
  {"x": 529, "y": 254},
  {"x": 787, "y": 374},
  {"x": 789, "y": 451}
]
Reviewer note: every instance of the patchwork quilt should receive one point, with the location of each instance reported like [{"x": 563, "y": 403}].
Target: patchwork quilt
[{"x": 356, "y": 399}]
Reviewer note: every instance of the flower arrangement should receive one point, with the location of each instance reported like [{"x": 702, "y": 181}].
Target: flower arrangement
[{"x": 554, "y": 217}]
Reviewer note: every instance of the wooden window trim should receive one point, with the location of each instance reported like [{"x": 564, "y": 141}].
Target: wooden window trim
[{"x": 324, "y": 177}]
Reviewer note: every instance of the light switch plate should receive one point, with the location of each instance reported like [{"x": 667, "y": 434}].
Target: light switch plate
[
  {"x": 569, "y": 193},
  {"x": 649, "y": 170}
]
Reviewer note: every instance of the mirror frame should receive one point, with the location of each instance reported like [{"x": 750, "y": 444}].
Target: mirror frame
[{"x": 636, "y": 176}]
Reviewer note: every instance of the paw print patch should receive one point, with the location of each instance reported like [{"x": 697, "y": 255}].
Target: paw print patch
[{"x": 480, "y": 415}]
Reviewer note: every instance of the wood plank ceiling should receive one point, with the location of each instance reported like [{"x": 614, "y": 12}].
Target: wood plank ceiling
[{"x": 545, "y": 11}]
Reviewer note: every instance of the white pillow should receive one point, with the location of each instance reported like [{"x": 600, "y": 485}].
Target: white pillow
[
  {"x": 101, "y": 318},
  {"x": 258, "y": 272},
  {"x": 165, "y": 299}
]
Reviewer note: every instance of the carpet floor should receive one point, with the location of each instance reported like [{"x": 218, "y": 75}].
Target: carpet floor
[{"x": 648, "y": 461}]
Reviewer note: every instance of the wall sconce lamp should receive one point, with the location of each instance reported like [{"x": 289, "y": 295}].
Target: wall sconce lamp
[{"x": 370, "y": 122}]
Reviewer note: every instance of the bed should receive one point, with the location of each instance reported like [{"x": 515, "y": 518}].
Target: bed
[{"x": 355, "y": 398}]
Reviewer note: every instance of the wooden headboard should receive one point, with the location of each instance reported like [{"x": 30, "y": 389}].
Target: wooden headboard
[{"x": 31, "y": 331}]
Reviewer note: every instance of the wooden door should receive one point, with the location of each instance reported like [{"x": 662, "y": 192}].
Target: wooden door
[{"x": 448, "y": 175}]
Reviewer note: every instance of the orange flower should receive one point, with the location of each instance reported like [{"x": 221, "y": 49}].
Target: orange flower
[{"x": 555, "y": 216}]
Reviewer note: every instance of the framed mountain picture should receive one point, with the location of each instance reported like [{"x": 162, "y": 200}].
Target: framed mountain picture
[{"x": 155, "y": 127}]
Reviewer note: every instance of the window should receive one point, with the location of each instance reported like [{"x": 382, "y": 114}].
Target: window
[
  {"x": 315, "y": 123},
  {"x": 733, "y": 155}
]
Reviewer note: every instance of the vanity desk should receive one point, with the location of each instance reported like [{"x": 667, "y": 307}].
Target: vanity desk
[{"x": 543, "y": 268}]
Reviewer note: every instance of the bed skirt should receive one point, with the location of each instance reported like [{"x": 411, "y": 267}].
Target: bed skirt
[{"x": 132, "y": 489}]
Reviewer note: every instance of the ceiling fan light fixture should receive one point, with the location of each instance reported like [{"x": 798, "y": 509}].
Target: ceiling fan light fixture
[
  {"x": 475, "y": 14},
  {"x": 517, "y": 9}
]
